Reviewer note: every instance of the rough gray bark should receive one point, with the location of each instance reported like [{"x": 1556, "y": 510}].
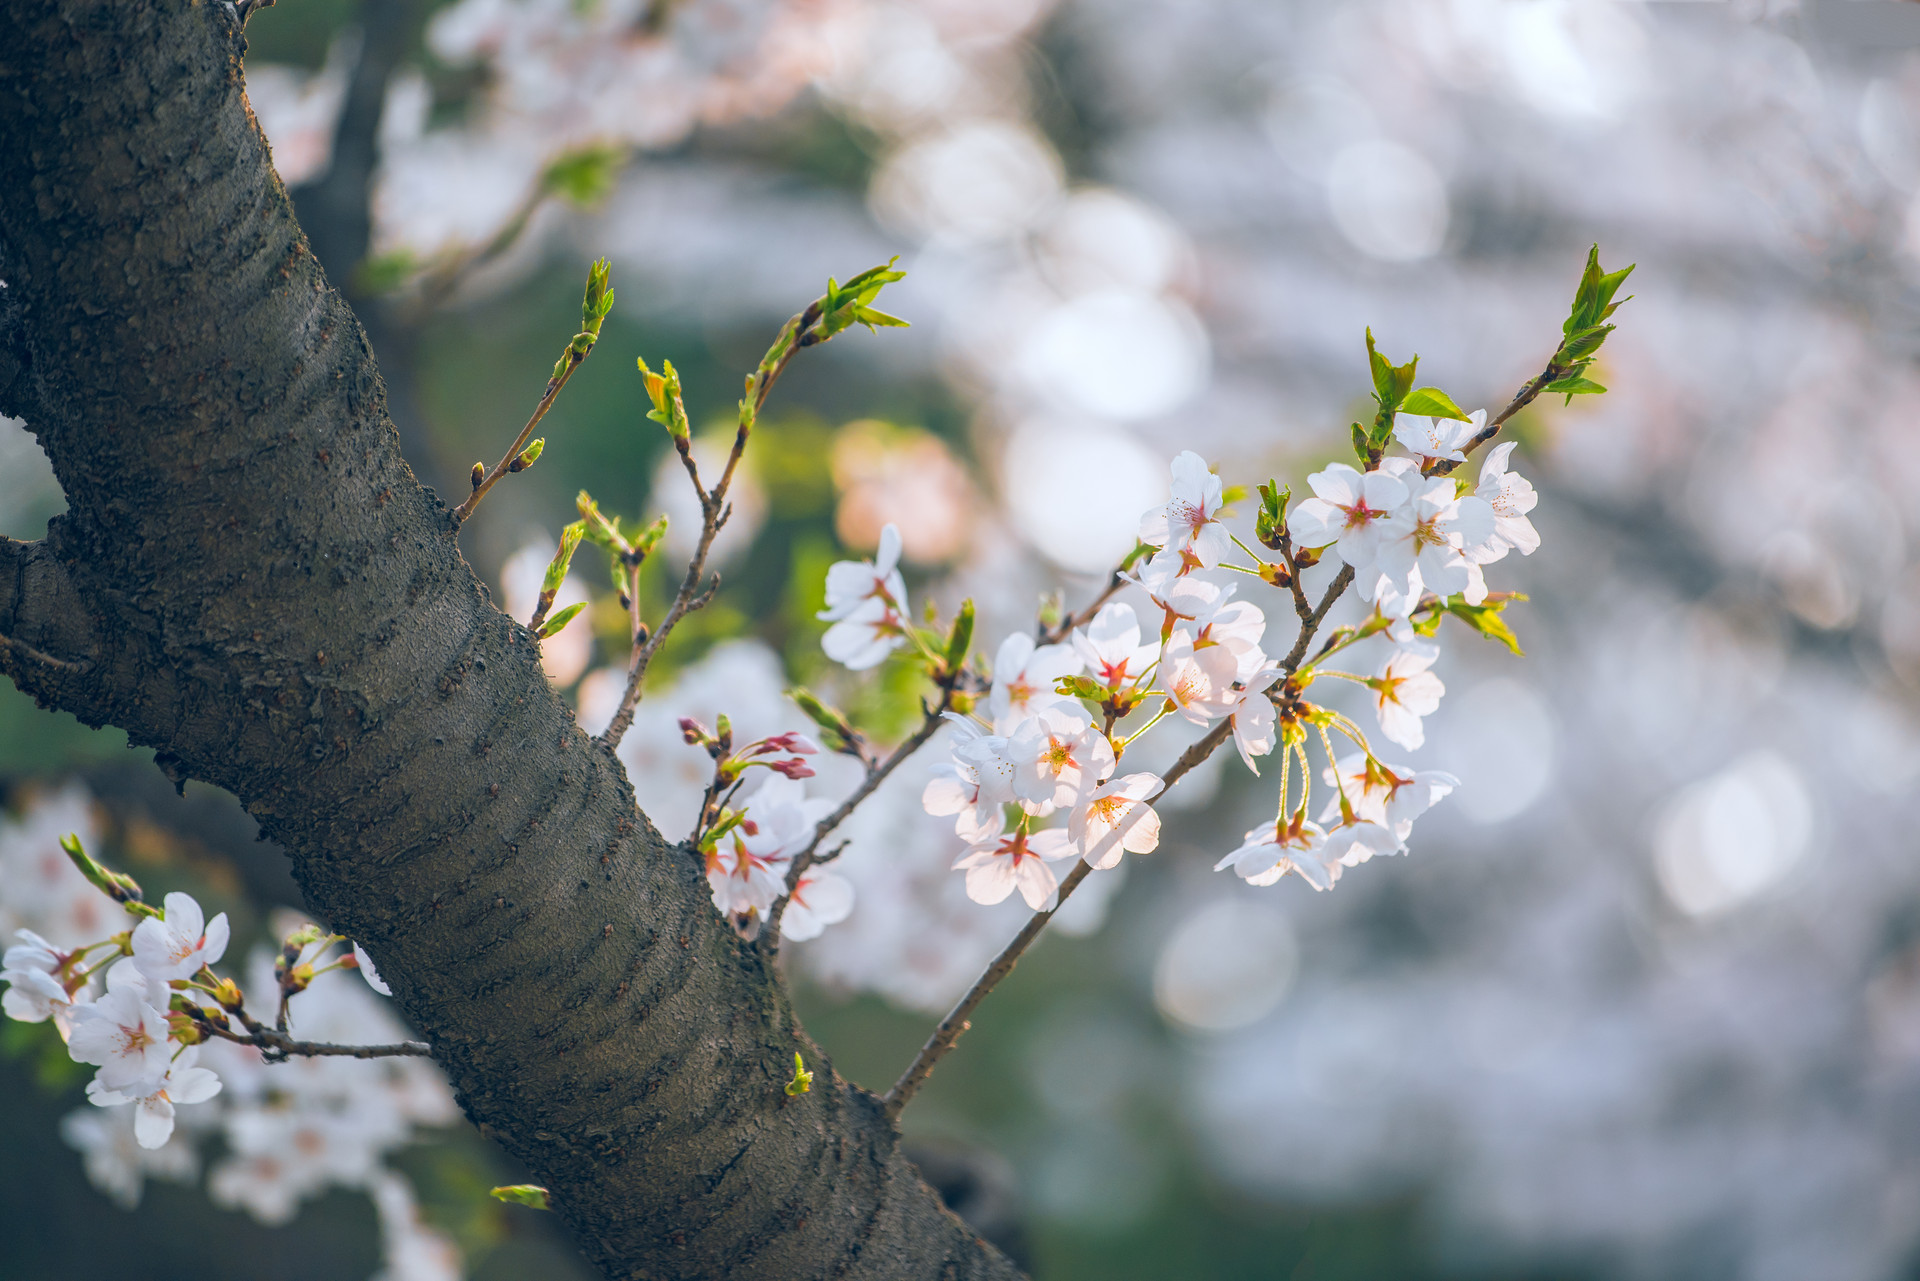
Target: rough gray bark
[{"x": 250, "y": 580}]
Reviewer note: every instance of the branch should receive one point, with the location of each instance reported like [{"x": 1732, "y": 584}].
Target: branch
[
  {"x": 714, "y": 510},
  {"x": 278, "y": 1047},
  {"x": 876, "y": 774},
  {"x": 959, "y": 1019},
  {"x": 554, "y": 384},
  {"x": 1521, "y": 399}
]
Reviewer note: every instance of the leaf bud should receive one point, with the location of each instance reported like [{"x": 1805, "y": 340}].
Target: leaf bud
[
  {"x": 528, "y": 456},
  {"x": 553, "y": 625},
  {"x": 478, "y": 474}
]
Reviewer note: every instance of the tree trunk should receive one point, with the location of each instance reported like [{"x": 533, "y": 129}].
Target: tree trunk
[{"x": 250, "y": 580}]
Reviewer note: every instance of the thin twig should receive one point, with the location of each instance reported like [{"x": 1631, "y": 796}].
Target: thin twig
[
  {"x": 283, "y": 1046},
  {"x": 876, "y": 774},
  {"x": 465, "y": 509},
  {"x": 1521, "y": 399},
  {"x": 960, "y": 1018},
  {"x": 714, "y": 511}
]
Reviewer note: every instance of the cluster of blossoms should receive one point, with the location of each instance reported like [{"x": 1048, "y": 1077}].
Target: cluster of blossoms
[
  {"x": 164, "y": 1032},
  {"x": 1035, "y": 773}
]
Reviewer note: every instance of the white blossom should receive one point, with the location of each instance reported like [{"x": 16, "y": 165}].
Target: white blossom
[
  {"x": 1435, "y": 438},
  {"x": 864, "y": 638},
  {"x": 1390, "y": 795},
  {"x": 1056, "y": 756},
  {"x": 851, "y": 583},
  {"x": 178, "y": 945},
  {"x": 819, "y": 899},
  {"x": 125, "y": 1037},
  {"x": 115, "y": 1161},
  {"x": 1189, "y": 523},
  {"x": 1255, "y": 716},
  {"x": 1024, "y": 677},
  {"x": 367, "y": 972},
  {"x": 997, "y": 867},
  {"x": 1510, "y": 496},
  {"x": 1351, "y": 511},
  {"x": 1404, "y": 692},
  {"x": 1198, "y": 678},
  {"x": 1110, "y": 646},
  {"x": 974, "y": 784},
  {"x": 1114, "y": 818},
  {"x": 1272, "y": 850},
  {"x": 183, "y": 1083}
]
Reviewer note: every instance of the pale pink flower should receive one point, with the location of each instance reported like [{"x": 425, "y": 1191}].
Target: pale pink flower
[
  {"x": 1390, "y": 795},
  {"x": 125, "y": 1037},
  {"x": 1429, "y": 439},
  {"x": 1110, "y": 647},
  {"x": 851, "y": 583},
  {"x": 1199, "y": 679},
  {"x": 1255, "y": 717},
  {"x": 1056, "y": 756},
  {"x": 1404, "y": 692},
  {"x": 1274, "y": 849},
  {"x": 820, "y": 899},
  {"x": 1351, "y": 511},
  {"x": 1189, "y": 523},
  {"x": 1352, "y": 844},
  {"x": 743, "y": 883},
  {"x": 1025, "y": 680},
  {"x": 997, "y": 867},
  {"x": 1114, "y": 818},
  {"x": 974, "y": 784},
  {"x": 182, "y": 1083},
  {"x": 866, "y": 635},
  {"x": 177, "y": 945},
  {"x": 367, "y": 972},
  {"x": 1510, "y": 497}
]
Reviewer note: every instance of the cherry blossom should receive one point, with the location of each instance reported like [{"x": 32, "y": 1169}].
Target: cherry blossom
[
  {"x": 1390, "y": 795},
  {"x": 115, "y": 1162},
  {"x": 125, "y": 1037},
  {"x": 1430, "y": 439},
  {"x": 1510, "y": 496},
  {"x": 1199, "y": 678},
  {"x": 1114, "y": 818},
  {"x": 1110, "y": 646},
  {"x": 1405, "y": 691},
  {"x": 1351, "y": 511},
  {"x": 864, "y": 638},
  {"x": 1431, "y": 544},
  {"x": 35, "y": 992},
  {"x": 974, "y": 784},
  {"x": 1189, "y": 524},
  {"x": 1254, "y": 716},
  {"x": 1274, "y": 849},
  {"x": 866, "y": 601},
  {"x": 1056, "y": 756},
  {"x": 367, "y": 972},
  {"x": 744, "y": 883},
  {"x": 851, "y": 583},
  {"x": 820, "y": 899},
  {"x": 997, "y": 867},
  {"x": 1024, "y": 679},
  {"x": 178, "y": 945},
  {"x": 183, "y": 1083},
  {"x": 1352, "y": 844}
]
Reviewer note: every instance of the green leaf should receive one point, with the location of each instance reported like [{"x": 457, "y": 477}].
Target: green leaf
[
  {"x": 1577, "y": 386},
  {"x": 960, "y": 639},
  {"x": 1486, "y": 618},
  {"x": 1362, "y": 447},
  {"x": 557, "y": 568},
  {"x": 802, "y": 1079},
  {"x": 526, "y": 1194},
  {"x": 1391, "y": 382},
  {"x": 1434, "y": 403},
  {"x": 839, "y": 731},
  {"x": 872, "y": 318},
  {"x": 584, "y": 177},
  {"x": 553, "y": 625},
  {"x": 1270, "y": 522}
]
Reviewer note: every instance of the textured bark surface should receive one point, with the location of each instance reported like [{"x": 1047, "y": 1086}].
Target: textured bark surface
[{"x": 250, "y": 580}]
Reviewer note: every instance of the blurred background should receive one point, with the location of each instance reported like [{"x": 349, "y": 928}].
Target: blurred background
[{"x": 1644, "y": 1001}]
